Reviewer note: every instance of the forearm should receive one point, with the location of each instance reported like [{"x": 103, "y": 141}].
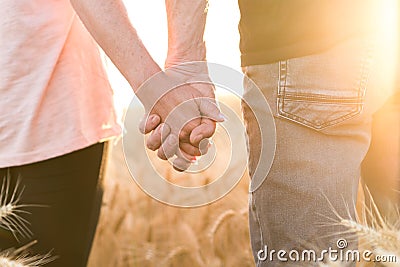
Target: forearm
[
  {"x": 108, "y": 23},
  {"x": 186, "y": 24}
]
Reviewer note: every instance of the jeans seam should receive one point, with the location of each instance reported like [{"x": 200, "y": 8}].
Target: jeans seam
[
  {"x": 282, "y": 74},
  {"x": 366, "y": 67},
  {"x": 257, "y": 220}
]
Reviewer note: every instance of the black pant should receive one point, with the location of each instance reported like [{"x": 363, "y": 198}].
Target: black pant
[{"x": 69, "y": 188}]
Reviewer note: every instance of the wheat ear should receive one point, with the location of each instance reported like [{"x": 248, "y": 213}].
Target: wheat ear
[
  {"x": 21, "y": 258},
  {"x": 10, "y": 209}
]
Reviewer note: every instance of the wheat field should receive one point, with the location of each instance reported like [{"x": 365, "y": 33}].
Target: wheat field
[{"x": 136, "y": 230}]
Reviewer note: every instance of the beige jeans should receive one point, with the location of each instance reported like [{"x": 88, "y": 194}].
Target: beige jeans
[{"x": 324, "y": 107}]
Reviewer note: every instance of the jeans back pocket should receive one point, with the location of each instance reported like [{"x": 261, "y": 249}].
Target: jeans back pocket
[{"x": 323, "y": 90}]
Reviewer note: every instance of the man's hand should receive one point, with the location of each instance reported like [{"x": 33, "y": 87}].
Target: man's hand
[{"x": 188, "y": 115}]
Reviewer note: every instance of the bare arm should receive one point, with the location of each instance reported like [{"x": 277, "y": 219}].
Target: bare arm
[
  {"x": 108, "y": 22},
  {"x": 186, "y": 24},
  {"x": 110, "y": 26}
]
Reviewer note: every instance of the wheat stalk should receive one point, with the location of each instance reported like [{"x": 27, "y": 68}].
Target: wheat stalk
[
  {"x": 373, "y": 229},
  {"x": 218, "y": 222},
  {"x": 10, "y": 209},
  {"x": 175, "y": 253},
  {"x": 21, "y": 258},
  {"x": 10, "y": 220}
]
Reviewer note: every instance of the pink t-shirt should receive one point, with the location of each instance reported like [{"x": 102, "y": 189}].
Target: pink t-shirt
[{"x": 54, "y": 94}]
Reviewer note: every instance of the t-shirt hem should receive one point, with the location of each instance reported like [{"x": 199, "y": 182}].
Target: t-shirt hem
[{"x": 75, "y": 145}]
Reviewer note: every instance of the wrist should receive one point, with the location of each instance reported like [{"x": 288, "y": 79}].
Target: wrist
[
  {"x": 139, "y": 73},
  {"x": 176, "y": 56},
  {"x": 153, "y": 89}
]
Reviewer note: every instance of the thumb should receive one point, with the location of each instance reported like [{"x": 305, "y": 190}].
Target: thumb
[{"x": 209, "y": 109}]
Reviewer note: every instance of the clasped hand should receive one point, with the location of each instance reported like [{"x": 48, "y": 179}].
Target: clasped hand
[{"x": 181, "y": 113}]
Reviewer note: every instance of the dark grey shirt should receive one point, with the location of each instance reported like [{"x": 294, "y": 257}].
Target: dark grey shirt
[{"x": 273, "y": 30}]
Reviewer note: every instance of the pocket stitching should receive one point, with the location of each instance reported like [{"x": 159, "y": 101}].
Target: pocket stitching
[{"x": 358, "y": 101}]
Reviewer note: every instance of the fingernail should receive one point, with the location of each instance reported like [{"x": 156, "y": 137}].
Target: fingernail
[
  {"x": 150, "y": 146},
  {"x": 162, "y": 132},
  {"x": 203, "y": 146},
  {"x": 153, "y": 118},
  {"x": 222, "y": 117}
]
